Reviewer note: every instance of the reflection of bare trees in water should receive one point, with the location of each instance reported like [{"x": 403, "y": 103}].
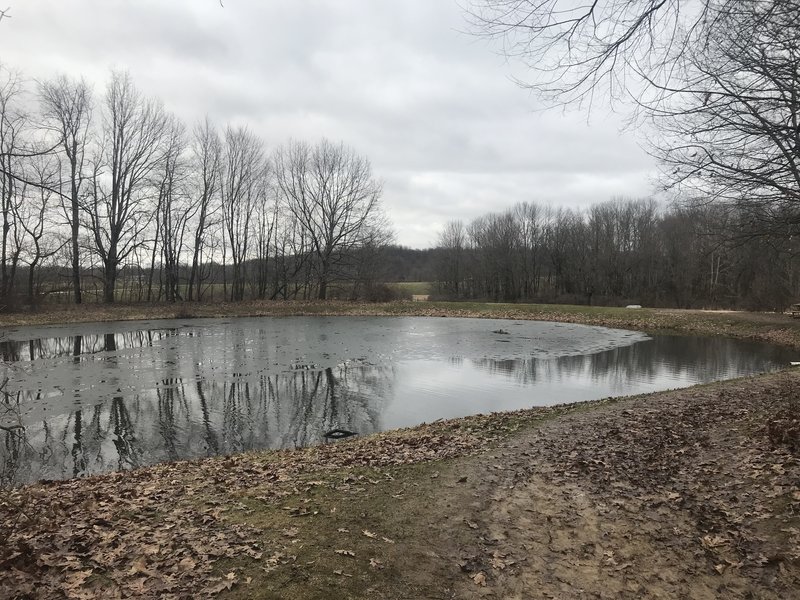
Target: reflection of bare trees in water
[
  {"x": 194, "y": 406},
  {"x": 187, "y": 418},
  {"x": 13, "y": 450},
  {"x": 78, "y": 458},
  {"x": 12, "y": 430},
  {"x": 679, "y": 357},
  {"x": 295, "y": 409},
  {"x": 86, "y": 445},
  {"x": 211, "y": 439},
  {"x": 128, "y": 451},
  {"x": 54, "y": 347}
]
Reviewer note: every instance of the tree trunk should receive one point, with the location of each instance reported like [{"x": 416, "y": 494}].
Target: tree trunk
[
  {"x": 110, "y": 279},
  {"x": 76, "y": 262}
]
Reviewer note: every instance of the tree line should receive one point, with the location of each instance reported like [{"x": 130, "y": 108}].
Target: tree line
[
  {"x": 624, "y": 251},
  {"x": 716, "y": 81},
  {"x": 141, "y": 206}
]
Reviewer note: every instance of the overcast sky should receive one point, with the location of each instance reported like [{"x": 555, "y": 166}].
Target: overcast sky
[{"x": 435, "y": 110}]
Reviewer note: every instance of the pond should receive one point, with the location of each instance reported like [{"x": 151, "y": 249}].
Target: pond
[{"x": 101, "y": 397}]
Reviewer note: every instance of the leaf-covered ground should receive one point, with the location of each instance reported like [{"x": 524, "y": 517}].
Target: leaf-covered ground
[
  {"x": 690, "y": 493},
  {"x": 693, "y": 493}
]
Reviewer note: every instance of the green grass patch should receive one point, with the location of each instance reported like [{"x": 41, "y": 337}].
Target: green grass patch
[{"x": 413, "y": 287}]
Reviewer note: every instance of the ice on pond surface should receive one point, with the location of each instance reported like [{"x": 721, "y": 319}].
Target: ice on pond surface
[{"x": 102, "y": 397}]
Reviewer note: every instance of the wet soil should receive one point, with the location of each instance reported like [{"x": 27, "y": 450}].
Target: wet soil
[{"x": 680, "y": 495}]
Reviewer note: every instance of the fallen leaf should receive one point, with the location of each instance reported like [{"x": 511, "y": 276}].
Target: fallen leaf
[
  {"x": 139, "y": 566},
  {"x": 221, "y": 586},
  {"x": 713, "y": 541},
  {"x": 78, "y": 578},
  {"x": 479, "y": 579}
]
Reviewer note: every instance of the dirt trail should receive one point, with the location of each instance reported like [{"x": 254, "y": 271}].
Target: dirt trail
[{"x": 678, "y": 496}]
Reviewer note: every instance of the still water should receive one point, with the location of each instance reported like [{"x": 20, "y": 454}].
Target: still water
[{"x": 102, "y": 397}]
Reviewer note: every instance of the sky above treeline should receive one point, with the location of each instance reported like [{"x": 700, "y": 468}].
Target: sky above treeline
[{"x": 435, "y": 109}]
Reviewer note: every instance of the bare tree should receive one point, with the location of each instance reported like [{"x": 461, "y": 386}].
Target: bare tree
[
  {"x": 576, "y": 49},
  {"x": 730, "y": 132},
  {"x": 206, "y": 157},
  {"x": 174, "y": 208},
  {"x": 243, "y": 184},
  {"x": 67, "y": 109},
  {"x": 369, "y": 271},
  {"x": 331, "y": 193},
  {"x": 291, "y": 256},
  {"x": 265, "y": 224},
  {"x": 531, "y": 222},
  {"x": 119, "y": 205},
  {"x": 13, "y": 124},
  {"x": 35, "y": 217},
  {"x": 452, "y": 242},
  {"x": 718, "y": 79}
]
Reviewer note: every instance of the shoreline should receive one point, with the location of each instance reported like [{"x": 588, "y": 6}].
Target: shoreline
[
  {"x": 431, "y": 509},
  {"x": 773, "y": 328}
]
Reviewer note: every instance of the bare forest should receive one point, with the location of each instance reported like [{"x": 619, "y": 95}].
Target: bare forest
[
  {"x": 109, "y": 197},
  {"x": 623, "y": 251},
  {"x": 714, "y": 84}
]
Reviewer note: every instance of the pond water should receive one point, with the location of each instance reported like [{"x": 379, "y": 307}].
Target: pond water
[{"x": 101, "y": 397}]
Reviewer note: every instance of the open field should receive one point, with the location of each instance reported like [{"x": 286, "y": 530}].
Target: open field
[
  {"x": 413, "y": 287},
  {"x": 686, "y": 493}
]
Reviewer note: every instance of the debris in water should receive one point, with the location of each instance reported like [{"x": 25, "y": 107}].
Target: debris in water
[{"x": 338, "y": 434}]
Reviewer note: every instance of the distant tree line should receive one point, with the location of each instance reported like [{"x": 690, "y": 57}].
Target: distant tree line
[
  {"x": 717, "y": 83},
  {"x": 138, "y": 206},
  {"x": 620, "y": 252}
]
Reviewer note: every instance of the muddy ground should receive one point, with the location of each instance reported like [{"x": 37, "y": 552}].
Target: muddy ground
[{"x": 684, "y": 494}]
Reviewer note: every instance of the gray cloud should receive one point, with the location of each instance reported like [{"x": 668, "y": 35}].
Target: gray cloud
[{"x": 435, "y": 110}]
